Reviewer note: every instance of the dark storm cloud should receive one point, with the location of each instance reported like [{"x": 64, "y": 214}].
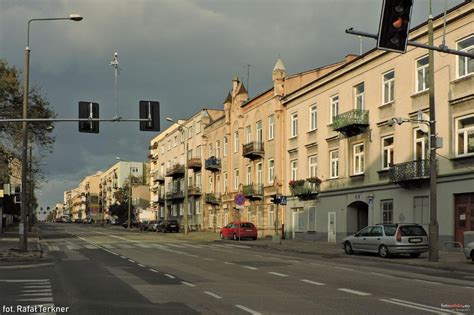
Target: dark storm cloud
[{"x": 182, "y": 53}]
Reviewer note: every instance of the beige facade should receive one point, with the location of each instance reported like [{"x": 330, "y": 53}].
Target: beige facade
[
  {"x": 89, "y": 191},
  {"x": 338, "y": 129}
]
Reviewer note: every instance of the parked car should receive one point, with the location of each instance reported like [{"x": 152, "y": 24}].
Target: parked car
[
  {"x": 238, "y": 230},
  {"x": 469, "y": 251},
  {"x": 78, "y": 221},
  {"x": 152, "y": 225},
  {"x": 87, "y": 220},
  {"x": 168, "y": 226},
  {"x": 58, "y": 220},
  {"x": 143, "y": 226},
  {"x": 133, "y": 224},
  {"x": 388, "y": 239}
]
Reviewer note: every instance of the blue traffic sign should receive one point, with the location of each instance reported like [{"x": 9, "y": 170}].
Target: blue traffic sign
[
  {"x": 239, "y": 199},
  {"x": 283, "y": 200}
]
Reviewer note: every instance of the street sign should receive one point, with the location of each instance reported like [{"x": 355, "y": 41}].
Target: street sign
[
  {"x": 239, "y": 207},
  {"x": 239, "y": 199},
  {"x": 283, "y": 200}
]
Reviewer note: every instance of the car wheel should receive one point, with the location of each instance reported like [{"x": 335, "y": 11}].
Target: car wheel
[
  {"x": 383, "y": 251},
  {"x": 472, "y": 255},
  {"x": 221, "y": 235},
  {"x": 415, "y": 255},
  {"x": 254, "y": 238},
  {"x": 234, "y": 237},
  {"x": 348, "y": 248}
]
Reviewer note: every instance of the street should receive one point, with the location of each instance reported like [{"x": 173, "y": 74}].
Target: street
[{"x": 93, "y": 270}]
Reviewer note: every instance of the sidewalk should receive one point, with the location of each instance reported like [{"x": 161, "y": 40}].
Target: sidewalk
[
  {"x": 448, "y": 260},
  {"x": 9, "y": 243}
]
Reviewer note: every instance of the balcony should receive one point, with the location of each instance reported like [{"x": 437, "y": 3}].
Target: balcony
[
  {"x": 253, "y": 150},
  {"x": 177, "y": 194},
  {"x": 253, "y": 191},
  {"x": 305, "y": 189},
  {"x": 408, "y": 174},
  {"x": 195, "y": 163},
  {"x": 194, "y": 191},
  {"x": 351, "y": 123},
  {"x": 160, "y": 198},
  {"x": 213, "y": 164},
  {"x": 158, "y": 178},
  {"x": 176, "y": 170},
  {"x": 212, "y": 199}
]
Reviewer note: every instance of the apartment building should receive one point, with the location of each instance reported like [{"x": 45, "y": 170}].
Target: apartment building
[
  {"x": 89, "y": 192},
  {"x": 348, "y": 166},
  {"x": 168, "y": 158}
]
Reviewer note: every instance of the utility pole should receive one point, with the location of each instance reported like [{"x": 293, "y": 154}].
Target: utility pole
[
  {"x": 186, "y": 197},
  {"x": 129, "y": 192},
  {"x": 31, "y": 186}
]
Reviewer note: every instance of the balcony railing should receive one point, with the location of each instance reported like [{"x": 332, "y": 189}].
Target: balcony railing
[
  {"x": 253, "y": 150},
  {"x": 176, "y": 170},
  {"x": 158, "y": 178},
  {"x": 351, "y": 123},
  {"x": 194, "y": 190},
  {"x": 304, "y": 189},
  {"x": 407, "y": 173},
  {"x": 195, "y": 163},
  {"x": 213, "y": 199},
  {"x": 213, "y": 164},
  {"x": 253, "y": 191}
]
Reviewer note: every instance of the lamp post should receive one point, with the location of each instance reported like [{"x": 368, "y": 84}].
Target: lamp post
[
  {"x": 186, "y": 206},
  {"x": 129, "y": 188},
  {"x": 24, "y": 156}
]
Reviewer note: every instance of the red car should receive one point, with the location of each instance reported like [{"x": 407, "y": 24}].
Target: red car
[{"x": 238, "y": 230}]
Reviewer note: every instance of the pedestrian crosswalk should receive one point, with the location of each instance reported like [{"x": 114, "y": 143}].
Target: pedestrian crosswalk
[
  {"x": 33, "y": 296},
  {"x": 135, "y": 245}
]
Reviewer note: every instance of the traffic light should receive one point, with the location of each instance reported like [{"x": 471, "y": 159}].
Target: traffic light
[
  {"x": 150, "y": 110},
  {"x": 394, "y": 25},
  {"x": 273, "y": 198},
  {"x": 88, "y": 110}
]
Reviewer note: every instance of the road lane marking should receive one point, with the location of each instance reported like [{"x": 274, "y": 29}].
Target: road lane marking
[
  {"x": 249, "y": 267},
  {"x": 49, "y": 294},
  {"x": 344, "y": 268},
  {"x": 316, "y": 264},
  {"x": 37, "y": 287},
  {"x": 153, "y": 270},
  {"x": 123, "y": 257},
  {"x": 238, "y": 246},
  {"x": 108, "y": 246},
  {"x": 73, "y": 247},
  {"x": 213, "y": 295},
  {"x": 132, "y": 261},
  {"x": 354, "y": 292},
  {"x": 193, "y": 255},
  {"x": 251, "y": 311},
  {"x": 426, "y": 281},
  {"x": 145, "y": 245},
  {"x": 45, "y": 299},
  {"x": 209, "y": 259},
  {"x": 381, "y": 274},
  {"x": 188, "y": 284},
  {"x": 141, "y": 265},
  {"x": 229, "y": 263},
  {"x": 175, "y": 245},
  {"x": 89, "y": 246},
  {"x": 278, "y": 274},
  {"x": 53, "y": 248},
  {"x": 45, "y": 281},
  {"x": 417, "y": 306},
  {"x": 312, "y": 282},
  {"x": 170, "y": 276},
  {"x": 189, "y": 245},
  {"x": 36, "y": 290}
]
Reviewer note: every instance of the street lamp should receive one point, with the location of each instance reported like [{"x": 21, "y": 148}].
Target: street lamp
[
  {"x": 129, "y": 187},
  {"x": 186, "y": 206},
  {"x": 24, "y": 159}
]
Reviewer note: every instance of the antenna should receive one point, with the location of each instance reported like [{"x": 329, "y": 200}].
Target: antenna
[
  {"x": 248, "y": 80},
  {"x": 360, "y": 45},
  {"x": 114, "y": 63}
]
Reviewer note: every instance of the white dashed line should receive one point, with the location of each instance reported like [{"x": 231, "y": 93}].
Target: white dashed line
[
  {"x": 344, "y": 268},
  {"x": 249, "y": 267},
  {"x": 169, "y": 276},
  {"x": 188, "y": 284},
  {"x": 354, "y": 291},
  {"x": 426, "y": 281},
  {"x": 123, "y": 257},
  {"x": 153, "y": 270},
  {"x": 417, "y": 306},
  {"x": 312, "y": 282},
  {"x": 229, "y": 263},
  {"x": 141, "y": 265},
  {"x": 132, "y": 261},
  {"x": 213, "y": 295},
  {"x": 248, "y": 310},
  {"x": 209, "y": 259},
  {"x": 278, "y": 274},
  {"x": 192, "y": 255},
  {"x": 381, "y": 274},
  {"x": 113, "y": 253},
  {"x": 316, "y": 264}
]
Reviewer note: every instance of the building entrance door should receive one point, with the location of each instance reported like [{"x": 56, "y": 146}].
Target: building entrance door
[
  {"x": 332, "y": 227},
  {"x": 463, "y": 215}
]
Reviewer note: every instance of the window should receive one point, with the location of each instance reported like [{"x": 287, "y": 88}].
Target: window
[
  {"x": 334, "y": 163},
  {"x": 236, "y": 179},
  {"x": 271, "y": 171},
  {"x": 211, "y": 186},
  {"x": 236, "y": 141},
  {"x": 271, "y": 127},
  {"x": 197, "y": 207},
  {"x": 312, "y": 166},
  {"x": 226, "y": 145},
  {"x": 198, "y": 151},
  {"x": 387, "y": 211},
  {"x": 271, "y": 216},
  {"x": 258, "y": 131},
  {"x": 465, "y": 64},
  {"x": 249, "y": 175},
  {"x": 422, "y": 74},
  {"x": 388, "y": 89},
  {"x": 313, "y": 118},
  {"x": 163, "y": 148},
  {"x": 175, "y": 143},
  {"x": 359, "y": 99},
  {"x": 334, "y": 108},
  {"x": 190, "y": 132},
  {"x": 198, "y": 127},
  {"x": 259, "y": 173},
  {"x": 465, "y": 135},
  {"x": 387, "y": 152},
  {"x": 312, "y": 218},
  {"x": 294, "y": 169},
  {"x": 169, "y": 144},
  {"x": 358, "y": 155},
  {"x": 210, "y": 149},
  {"x": 294, "y": 125},
  {"x": 218, "y": 149},
  {"x": 248, "y": 134},
  {"x": 421, "y": 145},
  {"x": 198, "y": 180},
  {"x": 190, "y": 154},
  {"x": 218, "y": 183},
  {"x": 225, "y": 181},
  {"x": 300, "y": 219},
  {"x": 181, "y": 208}
]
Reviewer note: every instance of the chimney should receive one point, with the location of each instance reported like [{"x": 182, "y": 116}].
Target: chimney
[{"x": 235, "y": 84}]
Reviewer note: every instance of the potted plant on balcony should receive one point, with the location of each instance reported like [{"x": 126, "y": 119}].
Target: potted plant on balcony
[
  {"x": 314, "y": 180},
  {"x": 294, "y": 184}
]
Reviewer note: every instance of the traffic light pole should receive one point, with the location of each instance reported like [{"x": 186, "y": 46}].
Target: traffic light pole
[
  {"x": 430, "y": 47},
  {"x": 42, "y": 120}
]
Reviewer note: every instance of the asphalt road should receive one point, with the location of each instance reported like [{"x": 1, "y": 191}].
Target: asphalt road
[{"x": 93, "y": 270}]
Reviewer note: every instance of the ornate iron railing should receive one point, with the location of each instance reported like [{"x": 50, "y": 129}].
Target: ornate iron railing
[{"x": 409, "y": 171}]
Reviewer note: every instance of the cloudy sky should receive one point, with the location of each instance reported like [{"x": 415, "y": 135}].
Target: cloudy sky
[{"x": 182, "y": 53}]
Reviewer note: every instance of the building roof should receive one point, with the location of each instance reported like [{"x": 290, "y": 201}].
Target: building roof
[{"x": 279, "y": 65}]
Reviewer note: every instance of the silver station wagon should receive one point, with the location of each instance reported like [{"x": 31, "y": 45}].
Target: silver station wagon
[{"x": 388, "y": 239}]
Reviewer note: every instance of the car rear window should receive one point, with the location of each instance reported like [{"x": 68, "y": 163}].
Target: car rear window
[
  {"x": 412, "y": 230},
  {"x": 247, "y": 225},
  {"x": 390, "y": 230}
]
